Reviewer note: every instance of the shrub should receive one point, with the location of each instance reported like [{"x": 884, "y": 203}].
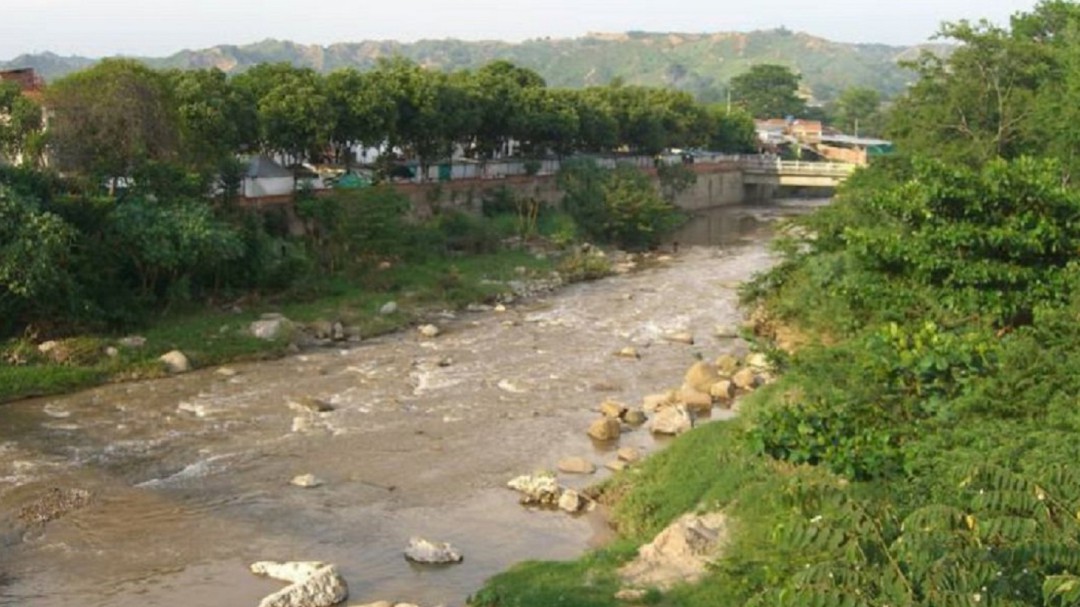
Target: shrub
[{"x": 619, "y": 206}]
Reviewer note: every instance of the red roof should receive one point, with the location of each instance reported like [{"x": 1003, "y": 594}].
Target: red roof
[{"x": 29, "y": 82}]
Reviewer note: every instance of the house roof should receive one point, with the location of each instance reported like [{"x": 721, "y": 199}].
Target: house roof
[
  {"x": 850, "y": 140},
  {"x": 263, "y": 166}
]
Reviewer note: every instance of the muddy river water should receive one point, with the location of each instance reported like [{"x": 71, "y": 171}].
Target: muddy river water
[{"x": 188, "y": 477}]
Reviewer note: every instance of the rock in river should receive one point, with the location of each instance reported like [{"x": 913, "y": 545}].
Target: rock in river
[
  {"x": 536, "y": 488},
  {"x": 576, "y": 465},
  {"x": 672, "y": 420},
  {"x": 306, "y": 404},
  {"x": 701, "y": 376},
  {"x": 605, "y": 429},
  {"x": 420, "y": 550},
  {"x": 306, "y": 481},
  {"x": 311, "y": 584},
  {"x": 571, "y": 501},
  {"x": 613, "y": 409}
]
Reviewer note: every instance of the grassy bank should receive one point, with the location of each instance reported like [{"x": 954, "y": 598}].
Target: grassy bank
[
  {"x": 920, "y": 450},
  {"x": 211, "y": 336}
]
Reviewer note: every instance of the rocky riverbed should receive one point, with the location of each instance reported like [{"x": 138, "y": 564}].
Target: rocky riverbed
[{"x": 164, "y": 492}]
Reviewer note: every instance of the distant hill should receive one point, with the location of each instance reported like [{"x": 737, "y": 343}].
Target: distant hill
[{"x": 699, "y": 63}]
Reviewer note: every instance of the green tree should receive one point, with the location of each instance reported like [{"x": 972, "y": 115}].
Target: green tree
[
  {"x": 979, "y": 102},
  {"x": 731, "y": 131},
  {"x": 598, "y": 128},
  {"x": 857, "y": 111},
  {"x": 296, "y": 117},
  {"x": 545, "y": 120},
  {"x": 216, "y": 119},
  {"x": 620, "y": 206},
  {"x": 110, "y": 118},
  {"x": 768, "y": 91},
  {"x": 35, "y": 247},
  {"x": 20, "y": 125},
  {"x": 363, "y": 115},
  {"x": 498, "y": 90},
  {"x": 168, "y": 245}
]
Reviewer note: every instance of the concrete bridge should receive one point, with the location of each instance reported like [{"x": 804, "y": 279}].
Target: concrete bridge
[{"x": 767, "y": 172}]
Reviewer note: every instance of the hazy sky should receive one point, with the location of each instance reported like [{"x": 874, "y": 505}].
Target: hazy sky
[{"x": 158, "y": 27}]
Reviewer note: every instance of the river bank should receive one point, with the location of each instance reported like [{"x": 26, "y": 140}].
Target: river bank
[{"x": 424, "y": 435}]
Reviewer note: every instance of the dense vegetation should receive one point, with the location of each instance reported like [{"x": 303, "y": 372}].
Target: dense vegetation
[
  {"x": 920, "y": 446},
  {"x": 135, "y": 214},
  {"x": 700, "y": 64}
]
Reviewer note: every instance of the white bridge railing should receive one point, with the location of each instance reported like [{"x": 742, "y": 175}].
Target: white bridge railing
[{"x": 795, "y": 167}]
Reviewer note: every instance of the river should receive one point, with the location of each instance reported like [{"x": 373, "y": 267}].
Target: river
[{"x": 188, "y": 477}]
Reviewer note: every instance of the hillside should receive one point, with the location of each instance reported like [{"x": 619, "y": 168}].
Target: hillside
[{"x": 699, "y": 63}]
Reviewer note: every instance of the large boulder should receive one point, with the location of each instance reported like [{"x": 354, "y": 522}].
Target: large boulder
[
  {"x": 654, "y": 402},
  {"x": 726, "y": 365},
  {"x": 605, "y": 429},
  {"x": 701, "y": 377},
  {"x": 175, "y": 362},
  {"x": 271, "y": 327},
  {"x": 695, "y": 401},
  {"x": 745, "y": 379},
  {"x": 723, "y": 391},
  {"x": 679, "y": 554},
  {"x": 311, "y": 584},
  {"x": 420, "y": 550},
  {"x": 671, "y": 420}
]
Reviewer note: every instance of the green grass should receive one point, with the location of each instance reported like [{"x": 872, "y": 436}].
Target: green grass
[
  {"x": 587, "y": 582},
  {"x": 707, "y": 469},
  {"x": 210, "y": 337}
]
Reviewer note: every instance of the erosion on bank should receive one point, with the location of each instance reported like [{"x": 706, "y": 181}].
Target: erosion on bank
[{"x": 919, "y": 448}]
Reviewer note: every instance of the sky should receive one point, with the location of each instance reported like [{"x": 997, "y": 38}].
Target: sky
[{"x": 98, "y": 28}]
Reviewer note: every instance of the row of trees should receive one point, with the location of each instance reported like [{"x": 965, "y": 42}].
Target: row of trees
[{"x": 108, "y": 119}]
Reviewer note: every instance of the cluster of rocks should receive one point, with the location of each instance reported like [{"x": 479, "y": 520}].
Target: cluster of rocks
[
  {"x": 274, "y": 326},
  {"x": 704, "y": 386},
  {"x": 613, "y": 416},
  {"x": 542, "y": 489},
  {"x": 319, "y": 584}
]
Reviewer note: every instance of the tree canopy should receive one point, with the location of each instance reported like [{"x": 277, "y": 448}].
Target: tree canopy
[{"x": 768, "y": 91}]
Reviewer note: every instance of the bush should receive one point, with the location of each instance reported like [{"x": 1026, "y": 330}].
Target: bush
[{"x": 619, "y": 206}]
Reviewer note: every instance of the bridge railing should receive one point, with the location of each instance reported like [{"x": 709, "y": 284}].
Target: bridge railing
[{"x": 758, "y": 164}]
